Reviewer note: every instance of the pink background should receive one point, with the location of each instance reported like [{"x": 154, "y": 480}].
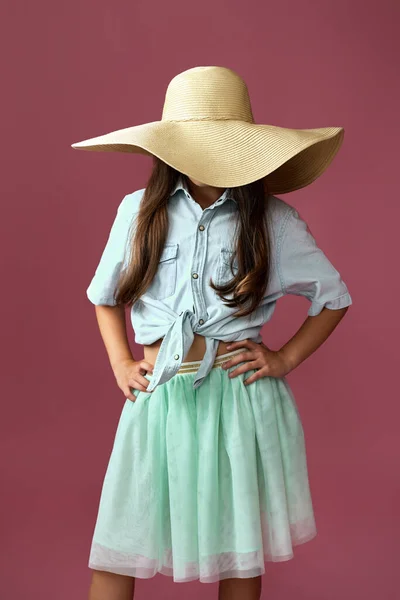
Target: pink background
[{"x": 73, "y": 70}]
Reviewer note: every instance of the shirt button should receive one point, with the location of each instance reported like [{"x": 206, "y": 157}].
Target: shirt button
[
  {"x": 201, "y": 227},
  {"x": 176, "y": 356},
  {"x": 195, "y": 275},
  {"x": 201, "y": 321}
]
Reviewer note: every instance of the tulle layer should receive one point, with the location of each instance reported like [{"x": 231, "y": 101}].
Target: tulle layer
[{"x": 205, "y": 484}]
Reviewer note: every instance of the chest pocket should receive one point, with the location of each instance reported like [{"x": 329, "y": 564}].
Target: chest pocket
[
  {"x": 224, "y": 271},
  {"x": 164, "y": 282}
]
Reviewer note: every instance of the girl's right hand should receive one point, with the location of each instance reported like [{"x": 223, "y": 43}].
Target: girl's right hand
[{"x": 130, "y": 373}]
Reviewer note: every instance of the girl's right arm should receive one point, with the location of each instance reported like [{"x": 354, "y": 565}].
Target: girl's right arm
[
  {"x": 111, "y": 317},
  {"x": 127, "y": 371}
]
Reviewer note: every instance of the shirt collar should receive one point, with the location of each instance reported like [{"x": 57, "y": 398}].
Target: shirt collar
[{"x": 181, "y": 185}]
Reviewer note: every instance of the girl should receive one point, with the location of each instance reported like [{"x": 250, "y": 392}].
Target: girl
[{"x": 207, "y": 478}]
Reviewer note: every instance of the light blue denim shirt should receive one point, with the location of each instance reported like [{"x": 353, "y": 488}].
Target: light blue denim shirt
[{"x": 179, "y": 302}]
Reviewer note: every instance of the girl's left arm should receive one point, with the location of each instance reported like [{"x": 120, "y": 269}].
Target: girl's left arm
[
  {"x": 278, "y": 363},
  {"x": 311, "y": 335},
  {"x": 305, "y": 270}
]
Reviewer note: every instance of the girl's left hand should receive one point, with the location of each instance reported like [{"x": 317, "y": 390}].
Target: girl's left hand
[{"x": 270, "y": 363}]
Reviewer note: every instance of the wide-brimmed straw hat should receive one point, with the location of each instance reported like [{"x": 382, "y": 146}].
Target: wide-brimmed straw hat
[{"x": 207, "y": 132}]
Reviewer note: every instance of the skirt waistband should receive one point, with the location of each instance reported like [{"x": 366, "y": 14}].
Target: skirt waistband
[{"x": 192, "y": 366}]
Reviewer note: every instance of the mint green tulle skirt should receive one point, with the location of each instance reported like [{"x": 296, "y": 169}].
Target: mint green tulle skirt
[{"x": 204, "y": 484}]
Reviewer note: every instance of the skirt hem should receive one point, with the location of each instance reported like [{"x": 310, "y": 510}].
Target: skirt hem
[{"x": 139, "y": 572}]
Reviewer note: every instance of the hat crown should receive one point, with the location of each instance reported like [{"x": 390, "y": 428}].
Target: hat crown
[{"x": 207, "y": 93}]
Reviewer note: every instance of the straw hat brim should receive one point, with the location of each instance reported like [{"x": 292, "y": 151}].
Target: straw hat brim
[{"x": 229, "y": 153}]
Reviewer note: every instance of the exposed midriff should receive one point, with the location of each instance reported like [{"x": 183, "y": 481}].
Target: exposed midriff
[{"x": 196, "y": 351}]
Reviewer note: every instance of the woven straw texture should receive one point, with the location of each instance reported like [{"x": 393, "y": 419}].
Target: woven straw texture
[{"x": 207, "y": 131}]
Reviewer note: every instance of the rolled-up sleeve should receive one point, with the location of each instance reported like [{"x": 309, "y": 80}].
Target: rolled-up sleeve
[
  {"x": 305, "y": 270},
  {"x": 115, "y": 255}
]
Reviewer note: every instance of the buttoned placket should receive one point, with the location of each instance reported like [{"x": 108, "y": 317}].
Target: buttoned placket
[
  {"x": 183, "y": 339},
  {"x": 199, "y": 258},
  {"x": 199, "y": 307}
]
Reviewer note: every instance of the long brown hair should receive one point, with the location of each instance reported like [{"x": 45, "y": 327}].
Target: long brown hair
[{"x": 252, "y": 242}]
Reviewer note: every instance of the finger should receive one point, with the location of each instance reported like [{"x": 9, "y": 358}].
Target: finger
[
  {"x": 146, "y": 366},
  {"x": 138, "y": 387},
  {"x": 129, "y": 394},
  {"x": 254, "y": 376},
  {"x": 238, "y": 358},
  {"x": 140, "y": 381},
  {"x": 247, "y": 366}
]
